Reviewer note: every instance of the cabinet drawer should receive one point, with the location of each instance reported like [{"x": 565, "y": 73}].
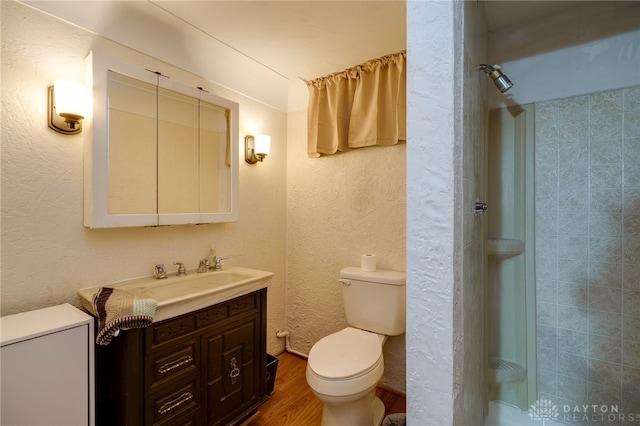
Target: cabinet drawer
[
  {"x": 191, "y": 419},
  {"x": 176, "y": 403},
  {"x": 222, "y": 311},
  {"x": 243, "y": 304},
  {"x": 211, "y": 315},
  {"x": 167, "y": 330},
  {"x": 174, "y": 365}
]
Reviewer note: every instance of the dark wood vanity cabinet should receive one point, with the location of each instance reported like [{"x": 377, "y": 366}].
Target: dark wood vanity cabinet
[{"x": 206, "y": 367}]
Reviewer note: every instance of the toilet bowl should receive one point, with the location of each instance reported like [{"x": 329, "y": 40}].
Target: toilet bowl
[{"x": 342, "y": 371}]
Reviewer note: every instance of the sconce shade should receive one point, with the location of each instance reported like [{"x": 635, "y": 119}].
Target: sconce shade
[
  {"x": 256, "y": 147},
  {"x": 262, "y": 144},
  {"x": 68, "y": 104}
]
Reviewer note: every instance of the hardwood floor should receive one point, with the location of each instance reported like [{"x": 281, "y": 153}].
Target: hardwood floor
[{"x": 293, "y": 404}]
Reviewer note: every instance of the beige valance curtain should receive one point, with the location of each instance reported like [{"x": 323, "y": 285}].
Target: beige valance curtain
[{"x": 361, "y": 106}]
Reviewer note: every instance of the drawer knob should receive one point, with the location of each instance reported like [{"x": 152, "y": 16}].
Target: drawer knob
[
  {"x": 165, "y": 408},
  {"x": 165, "y": 368}
]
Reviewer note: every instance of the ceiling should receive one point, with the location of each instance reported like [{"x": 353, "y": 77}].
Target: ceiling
[
  {"x": 289, "y": 39},
  {"x": 305, "y": 39},
  {"x": 509, "y": 13},
  {"x": 314, "y": 38},
  {"x": 299, "y": 38}
]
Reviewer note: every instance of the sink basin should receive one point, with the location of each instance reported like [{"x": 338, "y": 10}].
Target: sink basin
[
  {"x": 179, "y": 295},
  {"x": 178, "y": 287}
]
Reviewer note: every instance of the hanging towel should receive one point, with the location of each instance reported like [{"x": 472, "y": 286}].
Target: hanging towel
[{"x": 120, "y": 310}]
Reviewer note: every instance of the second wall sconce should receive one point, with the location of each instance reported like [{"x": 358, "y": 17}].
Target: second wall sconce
[
  {"x": 256, "y": 148},
  {"x": 68, "y": 103}
]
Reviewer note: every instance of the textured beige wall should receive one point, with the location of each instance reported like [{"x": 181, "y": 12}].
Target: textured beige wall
[
  {"x": 445, "y": 176},
  {"x": 47, "y": 255},
  {"x": 339, "y": 207}
]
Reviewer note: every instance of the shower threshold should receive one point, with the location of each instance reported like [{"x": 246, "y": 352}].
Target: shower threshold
[{"x": 503, "y": 414}]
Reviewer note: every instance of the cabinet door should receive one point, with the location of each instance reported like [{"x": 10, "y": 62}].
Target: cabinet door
[
  {"x": 44, "y": 380},
  {"x": 232, "y": 371}
]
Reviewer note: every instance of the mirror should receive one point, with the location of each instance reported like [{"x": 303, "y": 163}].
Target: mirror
[
  {"x": 162, "y": 153},
  {"x": 132, "y": 146}
]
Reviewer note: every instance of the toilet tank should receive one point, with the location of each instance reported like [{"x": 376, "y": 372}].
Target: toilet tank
[{"x": 375, "y": 301}]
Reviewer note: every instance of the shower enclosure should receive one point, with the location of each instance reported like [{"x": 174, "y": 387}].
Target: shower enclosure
[{"x": 563, "y": 288}]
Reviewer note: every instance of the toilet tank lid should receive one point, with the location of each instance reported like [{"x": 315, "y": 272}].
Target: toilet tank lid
[{"x": 377, "y": 276}]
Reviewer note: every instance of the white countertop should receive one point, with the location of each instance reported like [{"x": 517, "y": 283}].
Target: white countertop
[{"x": 179, "y": 295}]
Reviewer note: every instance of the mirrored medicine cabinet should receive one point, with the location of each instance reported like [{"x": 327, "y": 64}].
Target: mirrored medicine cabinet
[{"x": 157, "y": 152}]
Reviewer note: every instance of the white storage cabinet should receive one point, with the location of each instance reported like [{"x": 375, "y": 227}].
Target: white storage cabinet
[{"x": 46, "y": 367}]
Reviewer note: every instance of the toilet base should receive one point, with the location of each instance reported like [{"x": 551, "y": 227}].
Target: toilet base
[
  {"x": 367, "y": 411},
  {"x": 378, "y": 411}
]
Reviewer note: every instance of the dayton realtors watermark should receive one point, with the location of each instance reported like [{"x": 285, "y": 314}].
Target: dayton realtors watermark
[
  {"x": 546, "y": 410},
  {"x": 596, "y": 413}
]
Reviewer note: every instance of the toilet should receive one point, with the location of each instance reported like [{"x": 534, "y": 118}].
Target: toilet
[{"x": 344, "y": 368}]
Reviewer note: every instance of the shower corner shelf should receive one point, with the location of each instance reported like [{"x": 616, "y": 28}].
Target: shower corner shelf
[
  {"x": 503, "y": 371},
  {"x": 505, "y": 247}
]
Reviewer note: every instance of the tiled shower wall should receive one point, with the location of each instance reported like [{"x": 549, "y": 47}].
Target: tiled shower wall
[{"x": 588, "y": 250}]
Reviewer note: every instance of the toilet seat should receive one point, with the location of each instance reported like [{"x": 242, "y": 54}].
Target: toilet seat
[{"x": 345, "y": 354}]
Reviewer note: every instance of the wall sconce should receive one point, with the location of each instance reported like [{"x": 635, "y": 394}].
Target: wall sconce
[
  {"x": 68, "y": 103},
  {"x": 256, "y": 148}
]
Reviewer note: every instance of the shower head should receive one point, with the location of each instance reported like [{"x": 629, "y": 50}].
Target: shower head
[{"x": 501, "y": 81}]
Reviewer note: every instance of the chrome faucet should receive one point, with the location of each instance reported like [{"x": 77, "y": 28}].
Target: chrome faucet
[
  {"x": 217, "y": 263},
  {"x": 182, "y": 271},
  {"x": 159, "y": 272},
  {"x": 203, "y": 266}
]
